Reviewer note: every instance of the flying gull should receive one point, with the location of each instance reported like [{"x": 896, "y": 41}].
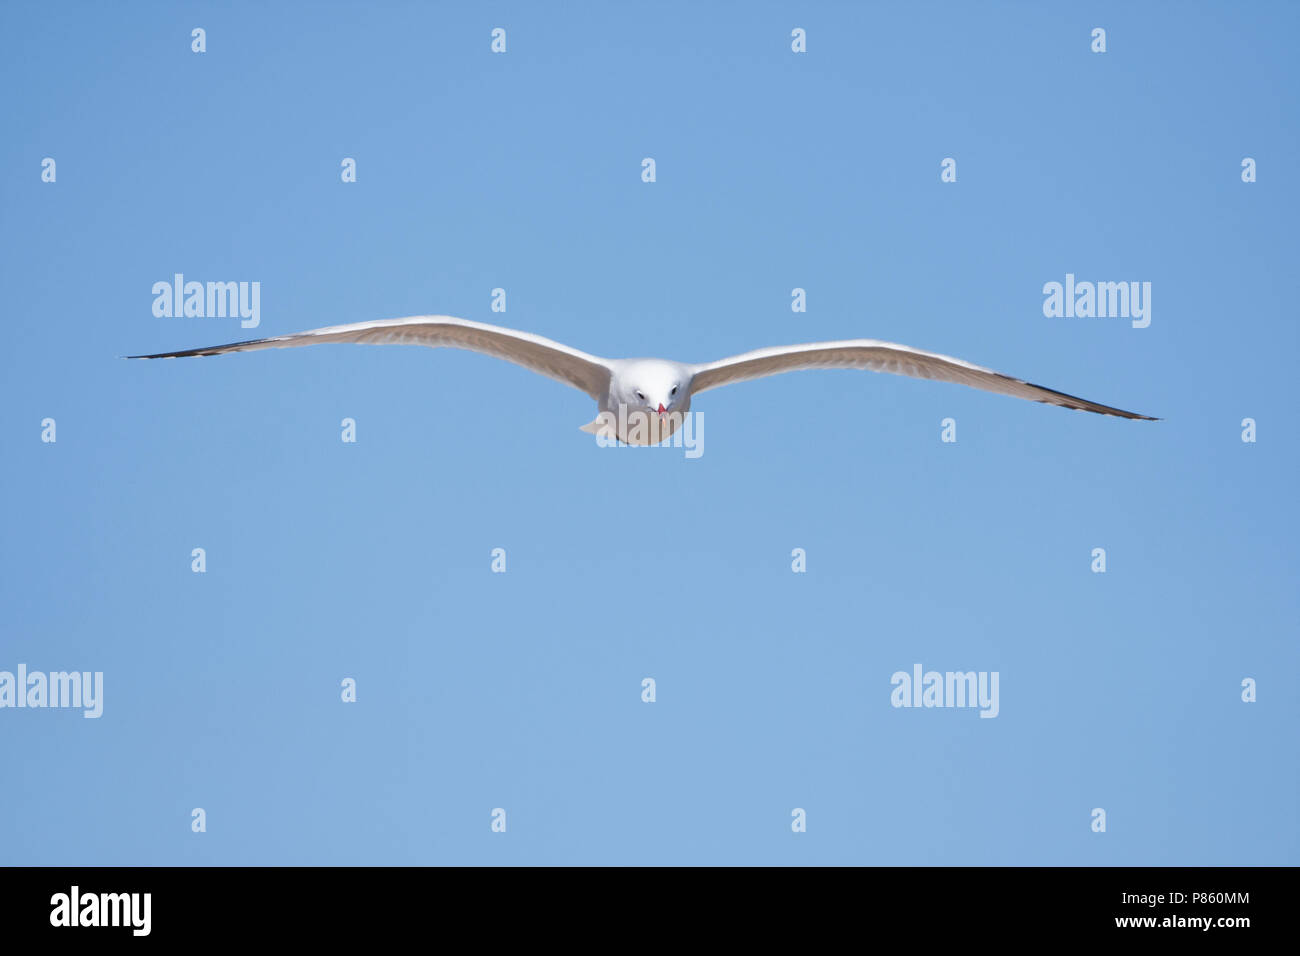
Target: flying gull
[{"x": 657, "y": 390}]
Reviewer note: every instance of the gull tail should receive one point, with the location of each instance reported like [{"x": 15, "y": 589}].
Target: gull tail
[{"x": 604, "y": 424}]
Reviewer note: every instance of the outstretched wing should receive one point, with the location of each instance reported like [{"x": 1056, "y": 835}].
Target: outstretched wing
[
  {"x": 884, "y": 357},
  {"x": 588, "y": 373}
]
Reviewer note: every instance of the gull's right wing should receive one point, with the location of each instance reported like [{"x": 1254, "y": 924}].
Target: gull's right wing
[{"x": 587, "y": 373}]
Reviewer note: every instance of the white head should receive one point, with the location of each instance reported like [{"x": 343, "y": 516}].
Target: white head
[
  {"x": 651, "y": 385},
  {"x": 654, "y": 393}
]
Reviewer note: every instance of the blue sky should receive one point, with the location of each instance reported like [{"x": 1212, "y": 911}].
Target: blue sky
[{"x": 522, "y": 690}]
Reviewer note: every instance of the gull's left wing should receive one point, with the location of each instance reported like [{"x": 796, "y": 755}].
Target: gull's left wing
[{"x": 878, "y": 356}]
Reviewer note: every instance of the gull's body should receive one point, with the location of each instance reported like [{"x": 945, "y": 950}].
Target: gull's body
[{"x": 657, "y": 389}]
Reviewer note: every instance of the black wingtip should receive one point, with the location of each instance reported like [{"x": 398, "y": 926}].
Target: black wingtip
[
  {"x": 167, "y": 355},
  {"x": 1131, "y": 416}
]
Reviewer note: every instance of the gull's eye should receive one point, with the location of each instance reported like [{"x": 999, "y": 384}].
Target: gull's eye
[
  {"x": 640, "y": 396},
  {"x": 674, "y": 391}
]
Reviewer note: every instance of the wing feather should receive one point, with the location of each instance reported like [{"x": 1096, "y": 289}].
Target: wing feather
[
  {"x": 879, "y": 356},
  {"x": 587, "y": 373}
]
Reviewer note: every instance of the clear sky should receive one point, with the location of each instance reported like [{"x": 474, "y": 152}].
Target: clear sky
[{"x": 775, "y": 170}]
